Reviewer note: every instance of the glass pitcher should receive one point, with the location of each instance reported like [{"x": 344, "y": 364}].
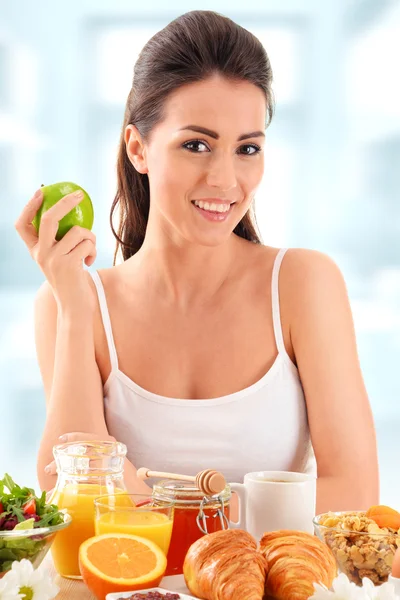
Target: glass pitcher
[{"x": 85, "y": 470}]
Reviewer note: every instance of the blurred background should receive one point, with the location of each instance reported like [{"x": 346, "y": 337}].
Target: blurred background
[{"x": 332, "y": 177}]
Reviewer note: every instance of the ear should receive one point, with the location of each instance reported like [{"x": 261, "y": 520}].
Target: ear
[{"x": 135, "y": 149}]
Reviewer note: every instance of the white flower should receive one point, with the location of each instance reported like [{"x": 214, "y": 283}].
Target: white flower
[
  {"x": 9, "y": 588},
  {"x": 385, "y": 591},
  {"x": 344, "y": 589},
  {"x": 31, "y": 584}
]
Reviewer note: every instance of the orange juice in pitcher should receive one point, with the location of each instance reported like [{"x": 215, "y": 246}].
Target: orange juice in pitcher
[{"x": 86, "y": 470}]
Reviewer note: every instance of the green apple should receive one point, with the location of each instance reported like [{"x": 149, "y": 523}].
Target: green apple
[{"x": 81, "y": 215}]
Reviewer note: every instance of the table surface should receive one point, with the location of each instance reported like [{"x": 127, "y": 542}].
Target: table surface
[{"x": 74, "y": 589}]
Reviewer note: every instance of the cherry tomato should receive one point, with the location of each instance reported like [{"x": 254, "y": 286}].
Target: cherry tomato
[{"x": 30, "y": 507}]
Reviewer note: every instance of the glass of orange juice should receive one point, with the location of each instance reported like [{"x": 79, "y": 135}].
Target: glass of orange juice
[{"x": 137, "y": 514}]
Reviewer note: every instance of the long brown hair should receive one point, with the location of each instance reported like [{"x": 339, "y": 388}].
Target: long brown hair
[{"x": 191, "y": 48}]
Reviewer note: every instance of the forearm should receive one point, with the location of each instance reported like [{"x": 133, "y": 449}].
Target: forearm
[
  {"x": 336, "y": 493},
  {"x": 75, "y": 403},
  {"x": 133, "y": 484}
]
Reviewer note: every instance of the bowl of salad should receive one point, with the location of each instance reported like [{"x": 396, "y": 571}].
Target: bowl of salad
[{"x": 28, "y": 524}]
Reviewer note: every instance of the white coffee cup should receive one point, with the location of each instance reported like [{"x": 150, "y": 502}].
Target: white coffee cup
[{"x": 272, "y": 500}]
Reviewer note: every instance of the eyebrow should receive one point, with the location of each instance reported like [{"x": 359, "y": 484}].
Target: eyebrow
[{"x": 215, "y": 135}]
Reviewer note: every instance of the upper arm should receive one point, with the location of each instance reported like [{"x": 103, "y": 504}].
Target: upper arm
[
  {"x": 46, "y": 313},
  {"x": 324, "y": 343}
]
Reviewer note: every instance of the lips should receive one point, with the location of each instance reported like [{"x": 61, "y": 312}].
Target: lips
[
  {"x": 216, "y": 207},
  {"x": 213, "y": 211}
]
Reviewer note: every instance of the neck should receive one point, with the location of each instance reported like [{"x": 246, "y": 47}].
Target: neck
[{"x": 185, "y": 274}]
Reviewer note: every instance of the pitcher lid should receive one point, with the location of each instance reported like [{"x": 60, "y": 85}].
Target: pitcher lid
[{"x": 91, "y": 457}]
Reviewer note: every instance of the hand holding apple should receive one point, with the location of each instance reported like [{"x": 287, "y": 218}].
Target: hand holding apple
[
  {"x": 55, "y": 226},
  {"x": 81, "y": 215}
]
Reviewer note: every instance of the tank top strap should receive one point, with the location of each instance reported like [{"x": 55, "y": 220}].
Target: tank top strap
[
  {"x": 105, "y": 315},
  {"x": 276, "y": 313}
]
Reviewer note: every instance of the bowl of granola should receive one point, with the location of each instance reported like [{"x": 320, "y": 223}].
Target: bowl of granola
[{"x": 362, "y": 548}]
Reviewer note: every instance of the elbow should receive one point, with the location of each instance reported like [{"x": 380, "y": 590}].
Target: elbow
[
  {"x": 347, "y": 492},
  {"x": 365, "y": 494},
  {"x": 366, "y": 486}
]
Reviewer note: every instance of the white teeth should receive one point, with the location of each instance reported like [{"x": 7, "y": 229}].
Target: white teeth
[{"x": 213, "y": 207}]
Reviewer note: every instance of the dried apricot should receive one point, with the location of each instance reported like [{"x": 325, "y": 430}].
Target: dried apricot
[{"x": 384, "y": 516}]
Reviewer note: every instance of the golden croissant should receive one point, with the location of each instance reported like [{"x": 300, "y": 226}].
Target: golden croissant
[
  {"x": 296, "y": 560},
  {"x": 225, "y": 565}
]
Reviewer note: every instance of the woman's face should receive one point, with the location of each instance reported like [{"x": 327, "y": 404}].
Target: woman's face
[{"x": 205, "y": 159}]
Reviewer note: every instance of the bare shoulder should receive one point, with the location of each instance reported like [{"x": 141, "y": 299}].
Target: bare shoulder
[
  {"x": 111, "y": 277},
  {"x": 312, "y": 292},
  {"x": 300, "y": 266},
  {"x": 306, "y": 270},
  {"x": 314, "y": 298},
  {"x": 301, "y": 261},
  {"x": 311, "y": 276},
  {"x": 259, "y": 256}
]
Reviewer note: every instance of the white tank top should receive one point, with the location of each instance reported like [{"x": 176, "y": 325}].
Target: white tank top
[{"x": 262, "y": 427}]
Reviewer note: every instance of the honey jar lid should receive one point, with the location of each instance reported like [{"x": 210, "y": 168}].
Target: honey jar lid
[{"x": 183, "y": 492}]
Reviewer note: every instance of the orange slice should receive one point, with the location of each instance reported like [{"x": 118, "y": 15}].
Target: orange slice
[{"x": 120, "y": 562}]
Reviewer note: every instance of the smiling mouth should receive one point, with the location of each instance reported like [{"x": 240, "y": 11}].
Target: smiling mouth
[{"x": 213, "y": 207}]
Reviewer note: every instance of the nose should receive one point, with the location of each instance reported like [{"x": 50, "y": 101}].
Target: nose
[{"x": 221, "y": 173}]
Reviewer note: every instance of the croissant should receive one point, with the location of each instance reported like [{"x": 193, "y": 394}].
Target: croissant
[
  {"x": 296, "y": 560},
  {"x": 225, "y": 565}
]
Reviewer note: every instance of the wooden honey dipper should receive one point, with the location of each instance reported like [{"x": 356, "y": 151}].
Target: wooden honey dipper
[{"x": 209, "y": 482}]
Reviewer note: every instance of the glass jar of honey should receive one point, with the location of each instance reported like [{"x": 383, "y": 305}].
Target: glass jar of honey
[{"x": 195, "y": 515}]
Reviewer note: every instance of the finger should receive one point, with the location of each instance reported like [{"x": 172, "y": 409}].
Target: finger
[
  {"x": 89, "y": 260},
  {"x": 51, "y": 468},
  {"x": 84, "y": 250},
  {"x": 75, "y": 236},
  {"x": 50, "y": 219},
  {"x": 23, "y": 224},
  {"x": 76, "y": 436},
  {"x": 81, "y": 436}
]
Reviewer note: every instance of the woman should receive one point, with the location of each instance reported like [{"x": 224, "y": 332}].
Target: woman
[{"x": 188, "y": 351}]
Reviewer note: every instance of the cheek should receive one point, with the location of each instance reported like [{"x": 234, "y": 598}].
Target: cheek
[
  {"x": 170, "y": 171},
  {"x": 170, "y": 184},
  {"x": 250, "y": 177}
]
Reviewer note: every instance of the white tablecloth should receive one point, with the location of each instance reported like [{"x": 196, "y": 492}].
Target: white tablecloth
[{"x": 74, "y": 589}]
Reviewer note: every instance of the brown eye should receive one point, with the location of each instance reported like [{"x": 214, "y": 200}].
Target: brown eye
[
  {"x": 193, "y": 146},
  {"x": 250, "y": 149}
]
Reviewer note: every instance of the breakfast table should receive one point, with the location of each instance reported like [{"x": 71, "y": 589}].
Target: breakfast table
[{"x": 75, "y": 589}]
